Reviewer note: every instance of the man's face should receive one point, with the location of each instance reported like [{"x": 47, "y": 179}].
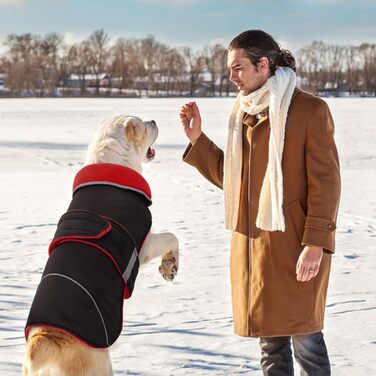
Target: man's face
[{"x": 244, "y": 74}]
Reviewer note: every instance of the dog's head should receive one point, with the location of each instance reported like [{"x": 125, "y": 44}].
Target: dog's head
[
  {"x": 124, "y": 140},
  {"x": 142, "y": 135}
]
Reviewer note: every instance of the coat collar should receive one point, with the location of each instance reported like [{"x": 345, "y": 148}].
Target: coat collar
[
  {"x": 112, "y": 174},
  {"x": 264, "y": 115}
]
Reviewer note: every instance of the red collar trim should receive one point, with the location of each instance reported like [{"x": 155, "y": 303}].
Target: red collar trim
[{"x": 112, "y": 174}]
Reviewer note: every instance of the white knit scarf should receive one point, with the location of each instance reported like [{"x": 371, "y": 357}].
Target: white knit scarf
[{"x": 275, "y": 93}]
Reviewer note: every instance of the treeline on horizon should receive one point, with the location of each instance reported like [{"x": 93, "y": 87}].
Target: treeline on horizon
[{"x": 44, "y": 66}]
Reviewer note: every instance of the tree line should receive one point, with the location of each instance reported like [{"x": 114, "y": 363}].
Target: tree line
[{"x": 42, "y": 65}]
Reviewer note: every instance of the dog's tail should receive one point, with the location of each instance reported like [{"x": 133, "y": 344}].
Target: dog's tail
[
  {"x": 44, "y": 352},
  {"x": 53, "y": 352}
]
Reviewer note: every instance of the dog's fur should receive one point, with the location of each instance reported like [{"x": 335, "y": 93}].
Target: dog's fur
[{"x": 123, "y": 140}]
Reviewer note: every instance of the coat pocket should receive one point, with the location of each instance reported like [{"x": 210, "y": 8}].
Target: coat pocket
[
  {"x": 80, "y": 225},
  {"x": 298, "y": 218}
]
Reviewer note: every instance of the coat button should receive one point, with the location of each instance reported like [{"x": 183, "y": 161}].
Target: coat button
[{"x": 330, "y": 226}]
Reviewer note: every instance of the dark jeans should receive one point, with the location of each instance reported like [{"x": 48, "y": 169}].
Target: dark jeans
[{"x": 309, "y": 351}]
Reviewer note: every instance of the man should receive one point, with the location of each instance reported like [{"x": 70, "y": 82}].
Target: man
[{"x": 280, "y": 175}]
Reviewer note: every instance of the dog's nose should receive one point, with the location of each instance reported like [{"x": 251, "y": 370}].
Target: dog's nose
[{"x": 153, "y": 122}]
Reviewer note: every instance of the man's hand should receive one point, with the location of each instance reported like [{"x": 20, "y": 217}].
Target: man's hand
[
  {"x": 191, "y": 120},
  {"x": 309, "y": 262}
]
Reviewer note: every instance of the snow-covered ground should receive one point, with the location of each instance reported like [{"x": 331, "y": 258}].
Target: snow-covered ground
[{"x": 183, "y": 328}]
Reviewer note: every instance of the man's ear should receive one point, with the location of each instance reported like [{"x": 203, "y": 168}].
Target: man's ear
[{"x": 263, "y": 64}]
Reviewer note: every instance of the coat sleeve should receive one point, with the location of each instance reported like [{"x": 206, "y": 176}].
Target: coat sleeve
[
  {"x": 207, "y": 158},
  {"x": 323, "y": 177}
]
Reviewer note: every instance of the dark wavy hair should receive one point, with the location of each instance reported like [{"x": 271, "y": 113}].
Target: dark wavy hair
[{"x": 257, "y": 44}]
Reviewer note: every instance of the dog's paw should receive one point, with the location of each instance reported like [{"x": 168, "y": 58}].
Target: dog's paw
[{"x": 168, "y": 267}]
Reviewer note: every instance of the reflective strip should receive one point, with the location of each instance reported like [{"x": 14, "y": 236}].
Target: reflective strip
[
  {"x": 130, "y": 265},
  {"x": 113, "y": 184},
  {"x": 88, "y": 293}
]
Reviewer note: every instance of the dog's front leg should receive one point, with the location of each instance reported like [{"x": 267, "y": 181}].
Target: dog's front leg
[{"x": 165, "y": 245}]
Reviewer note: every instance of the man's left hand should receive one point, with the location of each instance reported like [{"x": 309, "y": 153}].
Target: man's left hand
[{"x": 309, "y": 262}]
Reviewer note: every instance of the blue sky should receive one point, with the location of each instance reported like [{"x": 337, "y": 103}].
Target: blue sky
[{"x": 195, "y": 23}]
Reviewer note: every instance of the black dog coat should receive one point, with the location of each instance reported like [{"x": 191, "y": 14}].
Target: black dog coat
[{"x": 93, "y": 262}]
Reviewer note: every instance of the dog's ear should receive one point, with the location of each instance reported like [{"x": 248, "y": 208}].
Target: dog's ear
[
  {"x": 134, "y": 131},
  {"x": 130, "y": 130}
]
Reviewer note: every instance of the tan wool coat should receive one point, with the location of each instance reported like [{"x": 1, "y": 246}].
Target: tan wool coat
[{"x": 267, "y": 299}]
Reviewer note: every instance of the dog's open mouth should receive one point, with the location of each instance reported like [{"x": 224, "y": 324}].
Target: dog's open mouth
[{"x": 150, "y": 154}]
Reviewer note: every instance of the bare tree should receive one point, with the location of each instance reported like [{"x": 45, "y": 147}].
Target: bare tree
[
  {"x": 98, "y": 47},
  {"x": 350, "y": 64},
  {"x": 19, "y": 63},
  {"x": 172, "y": 69},
  {"x": 47, "y": 61},
  {"x": 220, "y": 68},
  {"x": 368, "y": 54},
  {"x": 120, "y": 65},
  {"x": 209, "y": 58},
  {"x": 216, "y": 64},
  {"x": 150, "y": 53},
  {"x": 334, "y": 64},
  {"x": 79, "y": 60},
  {"x": 195, "y": 65},
  {"x": 310, "y": 60}
]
